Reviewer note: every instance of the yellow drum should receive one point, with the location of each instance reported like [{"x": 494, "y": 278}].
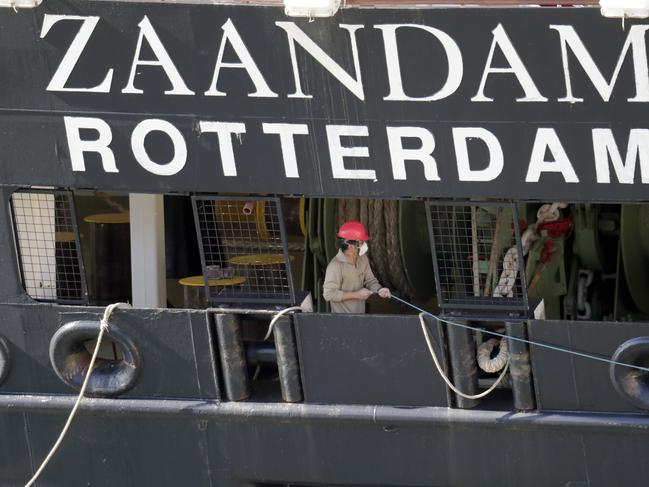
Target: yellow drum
[{"x": 194, "y": 289}]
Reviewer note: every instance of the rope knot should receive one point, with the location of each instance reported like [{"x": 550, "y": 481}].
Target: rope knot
[{"x": 103, "y": 323}]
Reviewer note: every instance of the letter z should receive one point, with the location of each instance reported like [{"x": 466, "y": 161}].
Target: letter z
[{"x": 71, "y": 57}]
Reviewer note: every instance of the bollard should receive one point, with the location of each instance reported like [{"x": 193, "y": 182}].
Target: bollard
[
  {"x": 287, "y": 363},
  {"x": 233, "y": 357},
  {"x": 463, "y": 365},
  {"x": 520, "y": 368}
]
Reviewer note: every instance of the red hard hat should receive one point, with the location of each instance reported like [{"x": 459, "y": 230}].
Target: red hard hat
[{"x": 353, "y": 230}]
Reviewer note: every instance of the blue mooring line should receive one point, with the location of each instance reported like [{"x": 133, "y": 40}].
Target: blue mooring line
[{"x": 529, "y": 342}]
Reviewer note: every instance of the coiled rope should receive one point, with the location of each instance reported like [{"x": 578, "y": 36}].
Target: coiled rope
[
  {"x": 103, "y": 327},
  {"x": 483, "y": 356},
  {"x": 548, "y": 346}
]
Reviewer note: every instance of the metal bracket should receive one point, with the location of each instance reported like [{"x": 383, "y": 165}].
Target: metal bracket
[
  {"x": 633, "y": 9},
  {"x": 16, "y": 4},
  {"x": 311, "y": 8}
]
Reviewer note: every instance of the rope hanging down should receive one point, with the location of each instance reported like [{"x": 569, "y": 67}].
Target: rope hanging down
[
  {"x": 269, "y": 333},
  {"x": 443, "y": 375},
  {"x": 103, "y": 327},
  {"x": 548, "y": 346},
  {"x": 271, "y": 325}
]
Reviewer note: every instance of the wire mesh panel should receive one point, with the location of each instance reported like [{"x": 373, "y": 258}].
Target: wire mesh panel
[
  {"x": 48, "y": 245},
  {"x": 477, "y": 255},
  {"x": 243, "y": 250}
]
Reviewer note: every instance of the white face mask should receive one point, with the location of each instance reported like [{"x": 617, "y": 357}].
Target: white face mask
[{"x": 363, "y": 250}]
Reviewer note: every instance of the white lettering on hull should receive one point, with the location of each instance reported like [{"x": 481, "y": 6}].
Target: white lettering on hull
[
  {"x": 548, "y": 154},
  {"x": 568, "y": 41}
]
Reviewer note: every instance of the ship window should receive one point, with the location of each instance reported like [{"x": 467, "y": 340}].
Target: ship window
[
  {"x": 48, "y": 245},
  {"x": 244, "y": 252},
  {"x": 477, "y": 255},
  {"x": 73, "y": 247}
]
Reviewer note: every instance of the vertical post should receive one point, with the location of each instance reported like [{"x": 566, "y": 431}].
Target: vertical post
[
  {"x": 148, "y": 270},
  {"x": 11, "y": 269},
  {"x": 474, "y": 251},
  {"x": 37, "y": 213},
  {"x": 463, "y": 364},
  {"x": 520, "y": 368},
  {"x": 287, "y": 364},
  {"x": 233, "y": 356}
]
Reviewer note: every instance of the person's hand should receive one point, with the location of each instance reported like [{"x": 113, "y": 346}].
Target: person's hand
[
  {"x": 384, "y": 292},
  {"x": 364, "y": 293}
]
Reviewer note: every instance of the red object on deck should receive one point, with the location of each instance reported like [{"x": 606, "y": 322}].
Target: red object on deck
[{"x": 556, "y": 228}]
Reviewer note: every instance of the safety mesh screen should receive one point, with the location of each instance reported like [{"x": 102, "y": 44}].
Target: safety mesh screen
[
  {"x": 48, "y": 245},
  {"x": 478, "y": 257},
  {"x": 243, "y": 250}
]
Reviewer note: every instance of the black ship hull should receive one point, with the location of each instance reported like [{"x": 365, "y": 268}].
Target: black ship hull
[{"x": 175, "y": 428}]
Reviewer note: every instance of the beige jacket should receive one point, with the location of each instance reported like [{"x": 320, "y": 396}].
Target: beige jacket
[{"x": 341, "y": 276}]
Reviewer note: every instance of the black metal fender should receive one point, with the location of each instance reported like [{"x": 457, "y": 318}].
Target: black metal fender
[
  {"x": 632, "y": 384},
  {"x": 70, "y": 359},
  {"x": 4, "y": 359}
]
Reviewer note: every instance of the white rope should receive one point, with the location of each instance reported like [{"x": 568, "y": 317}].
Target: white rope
[
  {"x": 492, "y": 365},
  {"x": 102, "y": 329},
  {"x": 548, "y": 212},
  {"x": 443, "y": 375},
  {"x": 505, "y": 287},
  {"x": 277, "y": 317}
]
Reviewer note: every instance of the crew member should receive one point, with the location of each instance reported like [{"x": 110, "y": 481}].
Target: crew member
[{"x": 349, "y": 279}]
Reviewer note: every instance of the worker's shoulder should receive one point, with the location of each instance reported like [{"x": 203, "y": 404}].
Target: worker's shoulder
[
  {"x": 335, "y": 263},
  {"x": 338, "y": 259}
]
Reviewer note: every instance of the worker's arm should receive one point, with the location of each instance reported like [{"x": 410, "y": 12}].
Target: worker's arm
[
  {"x": 371, "y": 282},
  {"x": 331, "y": 289},
  {"x": 362, "y": 294}
]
